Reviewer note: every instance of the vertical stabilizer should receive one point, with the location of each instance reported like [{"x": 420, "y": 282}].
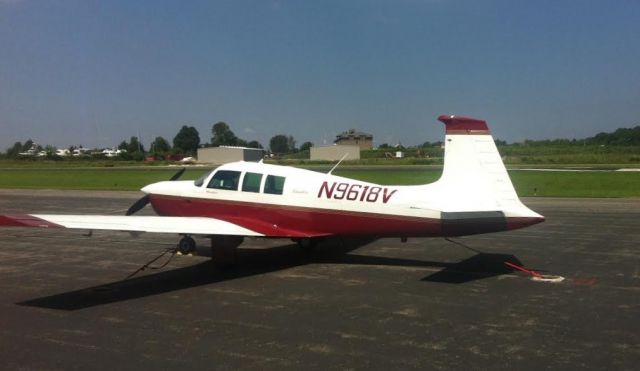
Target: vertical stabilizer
[{"x": 474, "y": 176}]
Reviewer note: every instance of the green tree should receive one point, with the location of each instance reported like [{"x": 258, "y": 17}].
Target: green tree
[
  {"x": 13, "y": 151},
  {"x": 291, "y": 144},
  {"x": 123, "y": 145},
  {"x": 160, "y": 146},
  {"x": 51, "y": 150},
  {"x": 622, "y": 136},
  {"x": 187, "y": 140},
  {"x": 27, "y": 145},
  {"x": 223, "y": 136},
  {"x": 306, "y": 146},
  {"x": 279, "y": 144},
  {"x": 254, "y": 144},
  {"x": 135, "y": 146}
]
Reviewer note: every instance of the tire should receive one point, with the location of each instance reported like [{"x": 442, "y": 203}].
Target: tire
[{"x": 187, "y": 245}]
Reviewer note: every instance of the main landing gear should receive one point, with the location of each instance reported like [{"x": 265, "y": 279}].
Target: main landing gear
[
  {"x": 223, "y": 248},
  {"x": 186, "y": 245}
]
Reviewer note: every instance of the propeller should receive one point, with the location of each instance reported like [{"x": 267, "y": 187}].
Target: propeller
[
  {"x": 178, "y": 174},
  {"x": 138, "y": 205},
  {"x": 142, "y": 202}
]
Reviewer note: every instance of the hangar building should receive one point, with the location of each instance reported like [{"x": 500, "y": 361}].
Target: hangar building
[
  {"x": 335, "y": 152},
  {"x": 224, "y": 154}
]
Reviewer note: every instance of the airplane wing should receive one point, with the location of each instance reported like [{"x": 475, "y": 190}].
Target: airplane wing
[{"x": 153, "y": 224}]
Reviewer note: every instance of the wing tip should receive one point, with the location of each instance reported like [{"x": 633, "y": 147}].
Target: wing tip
[{"x": 26, "y": 220}]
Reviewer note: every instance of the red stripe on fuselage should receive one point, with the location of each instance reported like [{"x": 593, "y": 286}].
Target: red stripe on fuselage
[{"x": 291, "y": 221}]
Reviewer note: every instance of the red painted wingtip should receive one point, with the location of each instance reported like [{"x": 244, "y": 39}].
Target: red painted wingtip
[
  {"x": 464, "y": 125},
  {"x": 26, "y": 220}
]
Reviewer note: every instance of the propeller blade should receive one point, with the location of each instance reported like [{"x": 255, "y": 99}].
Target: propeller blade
[
  {"x": 178, "y": 174},
  {"x": 138, "y": 205}
]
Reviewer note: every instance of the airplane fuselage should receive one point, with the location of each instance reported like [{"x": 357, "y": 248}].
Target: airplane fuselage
[{"x": 312, "y": 204}]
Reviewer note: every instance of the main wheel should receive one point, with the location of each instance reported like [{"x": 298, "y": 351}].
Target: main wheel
[{"x": 187, "y": 245}]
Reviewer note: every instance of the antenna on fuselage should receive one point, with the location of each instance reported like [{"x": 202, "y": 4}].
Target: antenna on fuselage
[{"x": 333, "y": 168}]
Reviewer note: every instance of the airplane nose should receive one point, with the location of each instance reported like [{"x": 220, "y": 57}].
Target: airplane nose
[
  {"x": 163, "y": 187},
  {"x": 149, "y": 188}
]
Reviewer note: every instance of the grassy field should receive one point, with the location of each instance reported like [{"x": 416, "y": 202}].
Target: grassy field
[
  {"x": 527, "y": 183},
  {"x": 512, "y": 154},
  {"x": 118, "y": 179}
]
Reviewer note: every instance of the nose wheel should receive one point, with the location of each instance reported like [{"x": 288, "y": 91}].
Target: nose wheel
[{"x": 187, "y": 245}]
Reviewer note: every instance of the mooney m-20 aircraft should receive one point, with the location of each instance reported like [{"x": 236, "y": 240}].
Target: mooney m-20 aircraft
[{"x": 240, "y": 199}]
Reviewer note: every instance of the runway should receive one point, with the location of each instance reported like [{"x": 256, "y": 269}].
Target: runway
[{"x": 424, "y": 304}]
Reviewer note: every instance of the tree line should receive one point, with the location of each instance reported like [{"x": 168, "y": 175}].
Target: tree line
[
  {"x": 280, "y": 144},
  {"x": 186, "y": 142}
]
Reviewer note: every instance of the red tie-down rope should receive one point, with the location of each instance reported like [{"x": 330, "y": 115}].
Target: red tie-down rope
[{"x": 523, "y": 269}]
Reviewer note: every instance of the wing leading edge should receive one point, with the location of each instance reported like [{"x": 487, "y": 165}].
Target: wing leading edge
[{"x": 152, "y": 224}]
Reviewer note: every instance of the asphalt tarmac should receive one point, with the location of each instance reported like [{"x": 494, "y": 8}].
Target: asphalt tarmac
[{"x": 423, "y": 304}]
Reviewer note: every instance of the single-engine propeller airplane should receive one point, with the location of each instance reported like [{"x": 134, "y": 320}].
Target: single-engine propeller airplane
[{"x": 236, "y": 200}]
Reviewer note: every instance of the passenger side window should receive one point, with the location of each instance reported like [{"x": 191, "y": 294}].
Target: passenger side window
[
  {"x": 225, "y": 179},
  {"x": 251, "y": 182},
  {"x": 274, "y": 184}
]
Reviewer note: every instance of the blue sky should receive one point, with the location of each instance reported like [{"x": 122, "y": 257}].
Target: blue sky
[{"x": 97, "y": 72}]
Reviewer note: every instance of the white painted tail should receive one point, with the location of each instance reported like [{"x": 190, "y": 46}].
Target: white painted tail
[{"x": 474, "y": 177}]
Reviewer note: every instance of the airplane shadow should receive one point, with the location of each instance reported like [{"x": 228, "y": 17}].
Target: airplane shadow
[{"x": 260, "y": 261}]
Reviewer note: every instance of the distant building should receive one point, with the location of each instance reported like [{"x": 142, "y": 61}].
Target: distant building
[
  {"x": 110, "y": 152},
  {"x": 354, "y": 137},
  {"x": 335, "y": 153},
  {"x": 33, "y": 151},
  {"x": 81, "y": 152},
  {"x": 224, "y": 154}
]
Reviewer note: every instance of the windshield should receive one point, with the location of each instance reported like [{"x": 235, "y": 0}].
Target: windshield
[{"x": 200, "y": 181}]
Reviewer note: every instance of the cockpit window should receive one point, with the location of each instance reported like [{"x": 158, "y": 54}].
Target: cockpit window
[
  {"x": 200, "y": 181},
  {"x": 274, "y": 184},
  {"x": 225, "y": 179},
  {"x": 251, "y": 182}
]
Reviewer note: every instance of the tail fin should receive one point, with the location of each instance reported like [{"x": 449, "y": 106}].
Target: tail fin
[
  {"x": 471, "y": 160},
  {"x": 474, "y": 177}
]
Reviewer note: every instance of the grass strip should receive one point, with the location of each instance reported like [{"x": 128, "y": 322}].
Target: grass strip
[{"x": 527, "y": 183}]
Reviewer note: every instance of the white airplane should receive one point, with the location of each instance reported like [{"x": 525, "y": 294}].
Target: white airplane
[{"x": 474, "y": 195}]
